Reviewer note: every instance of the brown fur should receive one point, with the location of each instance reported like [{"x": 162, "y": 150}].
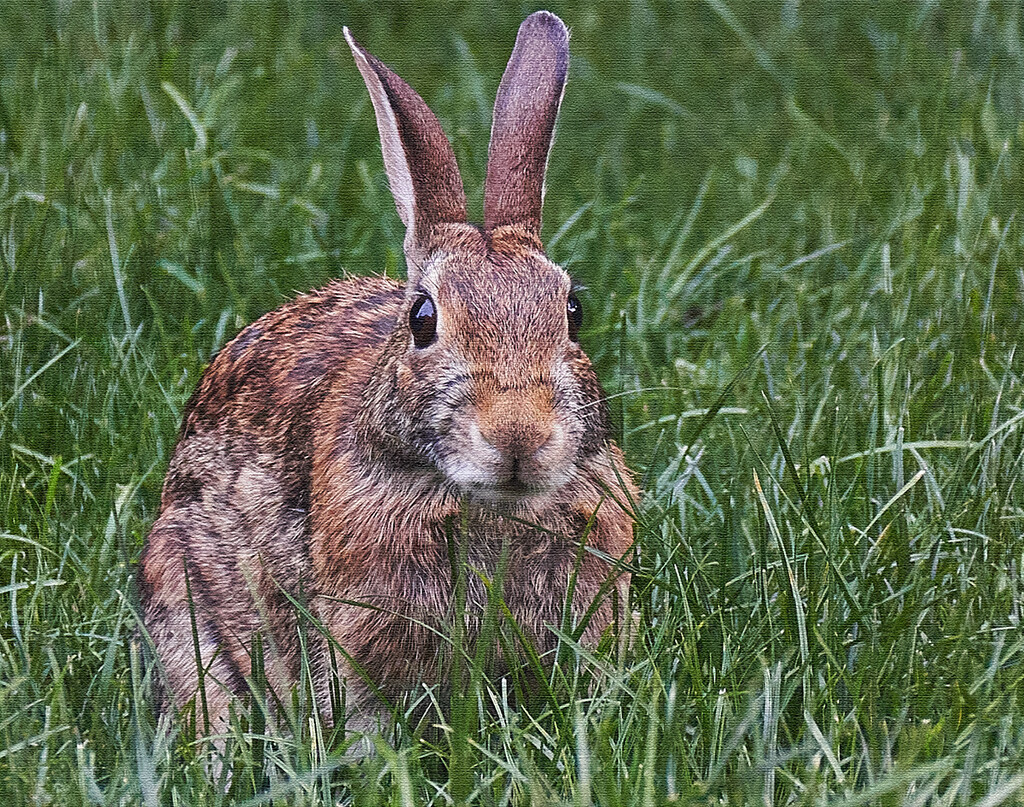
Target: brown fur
[
  {"x": 524, "y": 121},
  {"x": 325, "y": 459}
]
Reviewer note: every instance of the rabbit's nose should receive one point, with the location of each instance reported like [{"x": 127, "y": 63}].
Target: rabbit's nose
[
  {"x": 519, "y": 438},
  {"x": 518, "y": 427}
]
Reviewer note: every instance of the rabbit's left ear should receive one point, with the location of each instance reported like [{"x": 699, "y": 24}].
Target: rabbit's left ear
[
  {"x": 418, "y": 158},
  {"x": 529, "y": 96}
]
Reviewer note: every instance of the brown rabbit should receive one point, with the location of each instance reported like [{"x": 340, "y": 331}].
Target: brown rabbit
[{"x": 333, "y": 446}]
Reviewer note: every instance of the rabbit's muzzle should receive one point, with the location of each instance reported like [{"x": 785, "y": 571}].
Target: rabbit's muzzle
[{"x": 514, "y": 444}]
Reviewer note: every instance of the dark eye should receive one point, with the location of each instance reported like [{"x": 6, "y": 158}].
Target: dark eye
[
  {"x": 574, "y": 315},
  {"x": 423, "y": 321}
]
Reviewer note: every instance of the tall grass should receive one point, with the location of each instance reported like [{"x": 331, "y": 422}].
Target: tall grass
[{"x": 799, "y": 230}]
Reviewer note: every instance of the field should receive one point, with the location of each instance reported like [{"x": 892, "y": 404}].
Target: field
[{"x": 800, "y": 232}]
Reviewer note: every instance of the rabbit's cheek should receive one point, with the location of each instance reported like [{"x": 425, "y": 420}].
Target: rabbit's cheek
[{"x": 408, "y": 384}]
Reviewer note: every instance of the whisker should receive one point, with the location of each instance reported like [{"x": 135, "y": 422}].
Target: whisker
[{"x": 626, "y": 392}]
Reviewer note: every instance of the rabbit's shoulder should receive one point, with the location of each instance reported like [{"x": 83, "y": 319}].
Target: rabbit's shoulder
[
  {"x": 254, "y": 408},
  {"x": 283, "y": 363}
]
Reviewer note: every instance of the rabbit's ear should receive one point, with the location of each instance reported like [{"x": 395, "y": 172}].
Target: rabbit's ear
[
  {"x": 524, "y": 123},
  {"x": 418, "y": 158}
]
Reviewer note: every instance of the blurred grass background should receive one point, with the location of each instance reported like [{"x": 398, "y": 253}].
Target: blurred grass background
[{"x": 801, "y": 218}]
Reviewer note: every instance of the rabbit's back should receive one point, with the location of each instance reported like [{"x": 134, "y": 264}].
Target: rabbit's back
[{"x": 235, "y": 505}]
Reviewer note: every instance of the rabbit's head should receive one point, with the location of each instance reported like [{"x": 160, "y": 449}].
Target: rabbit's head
[{"x": 483, "y": 380}]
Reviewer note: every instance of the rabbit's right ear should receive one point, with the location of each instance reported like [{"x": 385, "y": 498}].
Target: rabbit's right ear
[{"x": 418, "y": 158}]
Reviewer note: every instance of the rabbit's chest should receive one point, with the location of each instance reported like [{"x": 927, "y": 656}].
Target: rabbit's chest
[
  {"x": 390, "y": 592},
  {"x": 398, "y": 614}
]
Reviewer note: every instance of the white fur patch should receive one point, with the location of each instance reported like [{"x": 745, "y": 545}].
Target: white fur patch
[{"x": 395, "y": 163}]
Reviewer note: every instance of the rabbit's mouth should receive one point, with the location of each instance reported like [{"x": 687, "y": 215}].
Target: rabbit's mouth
[
  {"x": 510, "y": 463},
  {"x": 508, "y": 483},
  {"x": 508, "y": 493}
]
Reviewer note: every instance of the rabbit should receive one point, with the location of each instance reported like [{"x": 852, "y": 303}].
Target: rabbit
[{"x": 335, "y": 445}]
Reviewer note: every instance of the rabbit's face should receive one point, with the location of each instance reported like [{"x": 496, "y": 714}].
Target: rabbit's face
[
  {"x": 511, "y": 402},
  {"x": 483, "y": 379}
]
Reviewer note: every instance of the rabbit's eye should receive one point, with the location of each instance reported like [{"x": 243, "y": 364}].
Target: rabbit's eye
[
  {"x": 423, "y": 321},
  {"x": 574, "y": 315}
]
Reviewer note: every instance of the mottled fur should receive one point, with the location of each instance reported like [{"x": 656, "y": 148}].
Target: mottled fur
[{"x": 326, "y": 459}]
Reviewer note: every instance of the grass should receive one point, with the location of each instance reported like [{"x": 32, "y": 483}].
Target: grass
[{"x": 799, "y": 228}]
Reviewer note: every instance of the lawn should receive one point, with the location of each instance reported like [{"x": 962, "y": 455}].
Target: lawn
[{"x": 799, "y": 228}]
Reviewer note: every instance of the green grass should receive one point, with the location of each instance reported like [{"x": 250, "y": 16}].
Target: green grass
[{"x": 800, "y": 228}]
